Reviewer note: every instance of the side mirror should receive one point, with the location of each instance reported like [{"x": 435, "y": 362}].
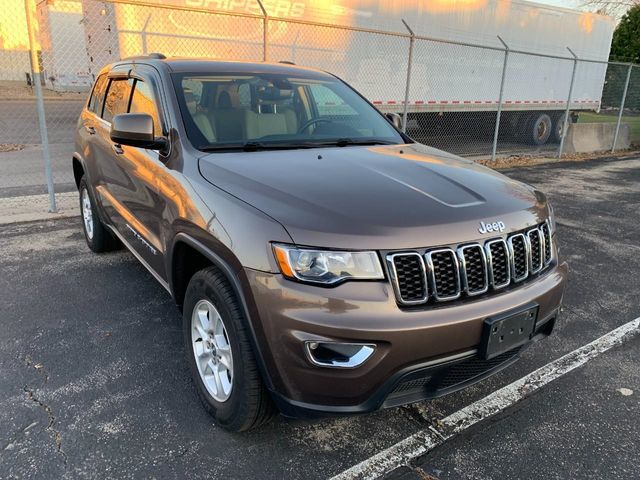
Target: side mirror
[
  {"x": 394, "y": 119},
  {"x": 136, "y": 130}
]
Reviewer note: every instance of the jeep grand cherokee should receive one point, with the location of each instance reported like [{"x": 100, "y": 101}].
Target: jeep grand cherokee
[{"x": 323, "y": 261}]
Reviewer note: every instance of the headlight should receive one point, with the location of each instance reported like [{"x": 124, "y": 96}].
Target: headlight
[{"x": 327, "y": 266}]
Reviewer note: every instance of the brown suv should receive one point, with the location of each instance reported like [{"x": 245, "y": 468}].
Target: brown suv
[{"x": 324, "y": 262}]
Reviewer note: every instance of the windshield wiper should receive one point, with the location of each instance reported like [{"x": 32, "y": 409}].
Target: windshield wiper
[
  {"x": 254, "y": 146},
  {"x": 343, "y": 142}
]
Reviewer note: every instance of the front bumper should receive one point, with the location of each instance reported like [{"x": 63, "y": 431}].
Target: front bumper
[{"x": 417, "y": 348}]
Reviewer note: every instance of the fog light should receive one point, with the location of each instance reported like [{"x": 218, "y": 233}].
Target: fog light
[{"x": 338, "y": 354}]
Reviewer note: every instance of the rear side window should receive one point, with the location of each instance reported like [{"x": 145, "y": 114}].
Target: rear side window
[
  {"x": 117, "y": 99},
  {"x": 97, "y": 96},
  {"x": 143, "y": 101},
  {"x": 244, "y": 95}
]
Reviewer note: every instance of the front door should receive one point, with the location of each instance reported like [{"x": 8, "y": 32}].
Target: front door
[{"x": 128, "y": 184}]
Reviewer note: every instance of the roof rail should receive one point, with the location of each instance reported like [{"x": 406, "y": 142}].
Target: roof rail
[
  {"x": 155, "y": 55},
  {"x": 286, "y": 62}
]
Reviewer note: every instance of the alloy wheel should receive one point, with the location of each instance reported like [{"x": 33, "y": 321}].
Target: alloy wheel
[
  {"x": 87, "y": 213},
  {"x": 212, "y": 350}
]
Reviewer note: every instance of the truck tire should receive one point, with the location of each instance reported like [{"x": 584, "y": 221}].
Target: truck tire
[
  {"x": 99, "y": 238},
  {"x": 539, "y": 129},
  {"x": 558, "y": 125},
  {"x": 220, "y": 355}
]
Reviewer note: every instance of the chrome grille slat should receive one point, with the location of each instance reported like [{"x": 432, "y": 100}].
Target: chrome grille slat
[
  {"x": 546, "y": 235},
  {"x": 410, "y": 267},
  {"x": 498, "y": 263},
  {"x": 473, "y": 269},
  {"x": 536, "y": 250},
  {"x": 444, "y": 274},
  {"x": 519, "y": 253}
]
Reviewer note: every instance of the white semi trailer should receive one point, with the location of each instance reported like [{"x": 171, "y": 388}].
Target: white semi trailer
[
  {"x": 452, "y": 84},
  {"x": 455, "y": 87}
]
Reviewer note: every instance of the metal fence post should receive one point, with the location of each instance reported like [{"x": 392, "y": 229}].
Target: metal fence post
[
  {"x": 565, "y": 127},
  {"x": 405, "y": 109},
  {"x": 624, "y": 97},
  {"x": 265, "y": 32},
  {"x": 499, "y": 112},
  {"x": 143, "y": 35},
  {"x": 36, "y": 76}
]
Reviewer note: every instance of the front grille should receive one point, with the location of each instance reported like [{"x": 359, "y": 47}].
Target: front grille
[
  {"x": 519, "y": 255},
  {"x": 534, "y": 238},
  {"x": 445, "y": 274},
  {"x": 474, "y": 269},
  {"x": 498, "y": 263},
  {"x": 546, "y": 236},
  {"x": 409, "y": 277}
]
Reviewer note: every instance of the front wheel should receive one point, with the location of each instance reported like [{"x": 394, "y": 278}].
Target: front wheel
[{"x": 220, "y": 355}]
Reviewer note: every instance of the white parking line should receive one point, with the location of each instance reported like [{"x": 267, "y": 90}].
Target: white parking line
[{"x": 425, "y": 440}]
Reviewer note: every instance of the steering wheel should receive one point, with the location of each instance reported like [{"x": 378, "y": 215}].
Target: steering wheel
[{"x": 313, "y": 121}]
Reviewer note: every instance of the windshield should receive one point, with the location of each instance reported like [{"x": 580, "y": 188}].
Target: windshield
[{"x": 262, "y": 111}]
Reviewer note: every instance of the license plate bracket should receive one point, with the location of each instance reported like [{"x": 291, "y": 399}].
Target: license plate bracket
[{"x": 507, "y": 331}]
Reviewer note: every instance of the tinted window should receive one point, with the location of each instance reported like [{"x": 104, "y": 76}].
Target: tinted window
[
  {"x": 97, "y": 97},
  {"x": 329, "y": 103},
  {"x": 143, "y": 101},
  {"x": 117, "y": 99},
  {"x": 244, "y": 95},
  {"x": 276, "y": 110},
  {"x": 194, "y": 87}
]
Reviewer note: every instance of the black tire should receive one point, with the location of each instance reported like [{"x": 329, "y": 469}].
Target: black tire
[
  {"x": 539, "y": 129},
  {"x": 249, "y": 404},
  {"x": 100, "y": 239},
  {"x": 558, "y": 125}
]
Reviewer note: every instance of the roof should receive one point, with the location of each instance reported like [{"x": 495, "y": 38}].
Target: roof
[{"x": 208, "y": 65}]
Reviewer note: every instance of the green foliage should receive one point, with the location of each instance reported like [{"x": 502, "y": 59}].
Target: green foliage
[{"x": 625, "y": 47}]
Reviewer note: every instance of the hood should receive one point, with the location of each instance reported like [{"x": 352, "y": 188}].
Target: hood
[{"x": 379, "y": 197}]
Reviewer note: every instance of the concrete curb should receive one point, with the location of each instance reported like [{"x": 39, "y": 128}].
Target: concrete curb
[{"x": 30, "y": 208}]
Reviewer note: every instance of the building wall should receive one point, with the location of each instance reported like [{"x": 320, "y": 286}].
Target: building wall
[
  {"x": 64, "y": 53},
  {"x": 14, "y": 41}
]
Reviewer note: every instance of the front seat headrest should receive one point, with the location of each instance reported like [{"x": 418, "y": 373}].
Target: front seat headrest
[
  {"x": 224, "y": 100},
  {"x": 274, "y": 94}
]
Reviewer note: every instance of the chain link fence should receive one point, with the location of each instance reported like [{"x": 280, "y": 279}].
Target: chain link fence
[{"x": 478, "y": 101}]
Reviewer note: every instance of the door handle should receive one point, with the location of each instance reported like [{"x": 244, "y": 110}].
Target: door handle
[
  {"x": 117, "y": 148},
  {"x": 91, "y": 130}
]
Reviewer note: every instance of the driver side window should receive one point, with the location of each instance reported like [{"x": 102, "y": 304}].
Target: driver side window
[
  {"x": 143, "y": 101},
  {"x": 328, "y": 103},
  {"x": 117, "y": 99}
]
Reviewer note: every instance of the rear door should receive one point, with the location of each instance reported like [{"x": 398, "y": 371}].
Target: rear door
[{"x": 89, "y": 120}]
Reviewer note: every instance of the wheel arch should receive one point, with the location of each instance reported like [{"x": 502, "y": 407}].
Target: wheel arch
[
  {"x": 188, "y": 255},
  {"x": 78, "y": 168}
]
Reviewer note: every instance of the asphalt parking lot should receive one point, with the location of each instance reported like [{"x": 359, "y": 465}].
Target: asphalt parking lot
[{"x": 93, "y": 382}]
